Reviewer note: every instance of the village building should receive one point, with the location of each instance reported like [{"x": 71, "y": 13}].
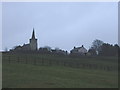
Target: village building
[
  {"x": 59, "y": 51},
  {"x": 31, "y": 46},
  {"x": 79, "y": 50}
]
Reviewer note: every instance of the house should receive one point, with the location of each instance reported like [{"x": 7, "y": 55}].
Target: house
[{"x": 79, "y": 51}]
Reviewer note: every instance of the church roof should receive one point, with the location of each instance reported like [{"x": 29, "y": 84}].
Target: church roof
[{"x": 33, "y": 34}]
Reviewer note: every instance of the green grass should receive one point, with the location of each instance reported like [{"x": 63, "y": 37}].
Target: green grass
[
  {"x": 21, "y": 75},
  {"x": 31, "y": 76}
]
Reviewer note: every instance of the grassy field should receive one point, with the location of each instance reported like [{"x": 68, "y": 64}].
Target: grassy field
[{"x": 21, "y": 75}]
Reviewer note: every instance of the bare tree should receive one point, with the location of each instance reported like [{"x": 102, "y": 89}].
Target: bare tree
[{"x": 96, "y": 44}]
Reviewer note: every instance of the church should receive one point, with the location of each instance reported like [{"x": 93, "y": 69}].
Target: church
[{"x": 31, "y": 46}]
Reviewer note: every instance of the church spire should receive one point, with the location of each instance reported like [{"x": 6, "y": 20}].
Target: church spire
[{"x": 33, "y": 34}]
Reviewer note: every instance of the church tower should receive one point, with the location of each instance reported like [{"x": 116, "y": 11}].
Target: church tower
[{"x": 33, "y": 42}]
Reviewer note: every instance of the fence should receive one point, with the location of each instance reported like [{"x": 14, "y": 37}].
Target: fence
[{"x": 52, "y": 62}]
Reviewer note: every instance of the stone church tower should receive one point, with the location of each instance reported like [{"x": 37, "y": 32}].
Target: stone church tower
[{"x": 33, "y": 42}]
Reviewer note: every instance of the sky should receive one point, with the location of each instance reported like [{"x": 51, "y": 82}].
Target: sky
[{"x": 59, "y": 24}]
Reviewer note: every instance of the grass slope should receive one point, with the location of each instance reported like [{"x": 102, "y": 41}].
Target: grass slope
[{"x": 31, "y": 76}]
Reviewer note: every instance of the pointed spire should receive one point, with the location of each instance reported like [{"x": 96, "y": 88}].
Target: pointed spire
[{"x": 33, "y": 34}]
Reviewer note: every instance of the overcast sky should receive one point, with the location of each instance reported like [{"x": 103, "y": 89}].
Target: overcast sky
[{"x": 62, "y": 25}]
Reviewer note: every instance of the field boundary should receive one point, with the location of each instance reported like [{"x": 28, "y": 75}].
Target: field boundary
[{"x": 43, "y": 61}]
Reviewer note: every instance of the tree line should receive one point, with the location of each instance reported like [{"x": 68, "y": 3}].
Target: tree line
[
  {"x": 104, "y": 49},
  {"x": 98, "y": 48}
]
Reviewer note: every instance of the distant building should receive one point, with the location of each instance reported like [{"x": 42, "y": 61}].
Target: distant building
[
  {"x": 61, "y": 52},
  {"x": 31, "y": 46},
  {"x": 79, "y": 50},
  {"x": 33, "y": 42}
]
